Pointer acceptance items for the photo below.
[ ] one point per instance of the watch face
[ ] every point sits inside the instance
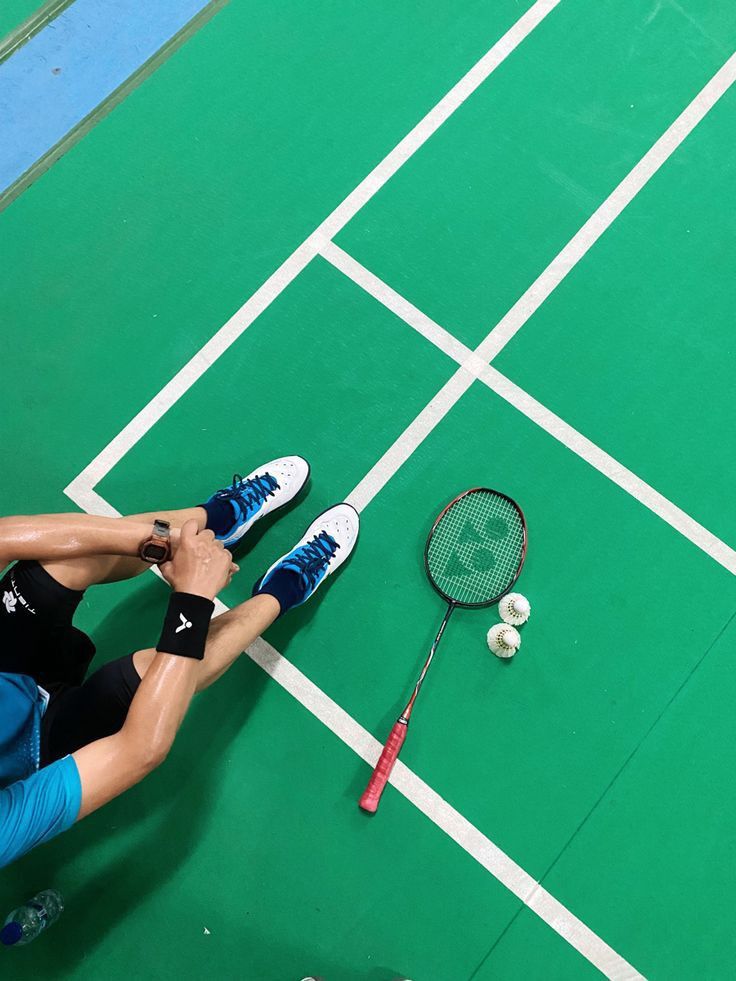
(155, 553)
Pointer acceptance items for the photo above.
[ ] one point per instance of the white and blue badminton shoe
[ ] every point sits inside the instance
(326, 544)
(263, 491)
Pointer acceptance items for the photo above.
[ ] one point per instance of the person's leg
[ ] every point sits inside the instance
(36, 633)
(97, 569)
(291, 580)
(229, 513)
(99, 707)
(229, 635)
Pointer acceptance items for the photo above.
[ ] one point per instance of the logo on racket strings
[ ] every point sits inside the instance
(472, 552)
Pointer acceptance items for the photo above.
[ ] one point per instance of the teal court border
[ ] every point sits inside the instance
(472, 366)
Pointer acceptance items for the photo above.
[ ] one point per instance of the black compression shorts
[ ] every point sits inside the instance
(38, 638)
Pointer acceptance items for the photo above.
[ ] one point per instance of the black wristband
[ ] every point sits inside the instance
(185, 625)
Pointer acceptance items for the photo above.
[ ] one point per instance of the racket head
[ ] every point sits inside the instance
(476, 548)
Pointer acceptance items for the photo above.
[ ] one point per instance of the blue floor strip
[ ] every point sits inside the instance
(50, 84)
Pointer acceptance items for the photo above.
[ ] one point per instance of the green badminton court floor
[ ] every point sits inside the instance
(600, 761)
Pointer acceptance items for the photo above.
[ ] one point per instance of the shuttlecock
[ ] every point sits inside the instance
(504, 640)
(515, 609)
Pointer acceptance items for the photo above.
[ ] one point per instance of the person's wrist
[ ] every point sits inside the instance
(195, 589)
(185, 627)
(136, 535)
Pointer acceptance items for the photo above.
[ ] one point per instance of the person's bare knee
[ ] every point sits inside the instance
(95, 570)
(78, 573)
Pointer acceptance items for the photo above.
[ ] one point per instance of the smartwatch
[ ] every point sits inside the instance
(157, 548)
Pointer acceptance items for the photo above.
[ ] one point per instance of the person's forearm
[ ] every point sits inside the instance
(167, 688)
(49, 537)
(111, 765)
(160, 704)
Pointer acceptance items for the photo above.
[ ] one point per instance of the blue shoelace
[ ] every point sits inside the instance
(312, 558)
(250, 494)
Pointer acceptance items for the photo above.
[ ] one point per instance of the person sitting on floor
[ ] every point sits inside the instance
(70, 743)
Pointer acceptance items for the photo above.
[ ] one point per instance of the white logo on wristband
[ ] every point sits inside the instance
(184, 625)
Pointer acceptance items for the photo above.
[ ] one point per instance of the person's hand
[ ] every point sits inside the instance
(200, 564)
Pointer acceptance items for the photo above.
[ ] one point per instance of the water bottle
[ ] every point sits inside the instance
(28, 921)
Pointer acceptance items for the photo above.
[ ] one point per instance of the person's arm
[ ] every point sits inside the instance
(50, 537)
(107, 767)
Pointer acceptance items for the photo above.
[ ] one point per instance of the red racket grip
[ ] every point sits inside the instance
(390, 753)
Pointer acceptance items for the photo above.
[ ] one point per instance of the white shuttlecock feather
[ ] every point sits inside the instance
(504, 640)
(514, 609)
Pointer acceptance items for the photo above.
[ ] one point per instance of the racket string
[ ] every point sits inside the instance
(481, 526)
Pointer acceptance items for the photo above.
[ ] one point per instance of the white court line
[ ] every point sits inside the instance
(475, 362)
(611, 208)
(436, 117)
(472, 366)
(444, 815)
(615, 471)
(415, 433)
(396, 303)
(280, 279)
(183, 380)
(425, 799)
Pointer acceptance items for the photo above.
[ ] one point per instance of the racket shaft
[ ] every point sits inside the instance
(379, 778)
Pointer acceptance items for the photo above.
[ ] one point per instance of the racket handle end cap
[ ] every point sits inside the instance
(379, 778)
(369, 802)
